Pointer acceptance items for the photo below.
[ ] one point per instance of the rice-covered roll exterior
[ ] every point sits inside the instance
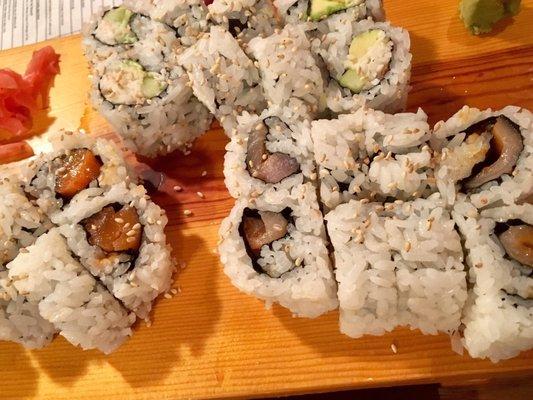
(75, 164)
(223, 77)
(499, 311)
(487, 155)
(370, 154)
(21, 222)
(277, 252)
(397, 264)
(118, 235)
(290, 75)
(368, 63)
(20, 320)
(268, 156)
(187, 17)
(137, 84)
(318, 12)
(245, 19)
(68, 297)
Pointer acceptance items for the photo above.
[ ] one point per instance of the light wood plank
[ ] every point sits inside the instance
(211, 341)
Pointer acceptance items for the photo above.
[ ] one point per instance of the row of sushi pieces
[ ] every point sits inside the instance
(161, 69)
(428, 228)
(83, 251)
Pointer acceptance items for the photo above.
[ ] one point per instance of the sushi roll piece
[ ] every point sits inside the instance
(75, 164)
(318, 13)
(499, 310)
(118, 235)
(370, 154)
(68, 297)
(487, 155)
(368, 63)
(268, 155)
(245, 19)
(397, 264)
(290, 74)
(138, 85)
(223, 77)
(277, 252)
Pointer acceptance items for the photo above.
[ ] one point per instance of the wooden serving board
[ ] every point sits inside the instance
(211, 341)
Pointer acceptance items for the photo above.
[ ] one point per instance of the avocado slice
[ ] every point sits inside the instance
(118, 20)
(152, 86)
(361, 44)
(479, 16)
(321, 9)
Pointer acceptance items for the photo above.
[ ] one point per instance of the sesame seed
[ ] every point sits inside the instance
(200, 195)
(187, 212)
(119, 220)
(394, 348)
(204, 173)
(167, 296)
(407, 246)
(130, 240)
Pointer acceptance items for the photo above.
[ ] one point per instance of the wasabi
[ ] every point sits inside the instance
(479, 16)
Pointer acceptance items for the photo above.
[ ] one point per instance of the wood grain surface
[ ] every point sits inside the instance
(211, 341)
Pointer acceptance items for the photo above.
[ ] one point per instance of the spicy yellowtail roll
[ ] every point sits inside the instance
(223, 77)
(368, 63)
(137, 84)
(268, 156)
(499, 311)
(487, 155)
(325, 12)
(245, 19)
(277, 252)
(397, 264)
(47, 276)
(290, 74)
(370, 154)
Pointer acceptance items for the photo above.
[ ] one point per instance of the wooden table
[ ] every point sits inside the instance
(211, 341)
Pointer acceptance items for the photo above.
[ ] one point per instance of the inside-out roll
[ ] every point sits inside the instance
(137, 83)
(290, 74)
(268, 155)
(487, 155)
(499, 311)
(397, 264)
(223, 77)
(373, 155)
(368, 63)
(277, 252)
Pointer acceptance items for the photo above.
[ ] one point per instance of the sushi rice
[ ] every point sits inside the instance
(296, 268)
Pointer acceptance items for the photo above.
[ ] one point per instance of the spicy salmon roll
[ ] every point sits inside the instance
(370, 154)
(498, 314)
(68, 297)
(137, 84)
(223, 77)
(75, 165)
(397, 264)
(368, 63)
(268, 155)
(290, 74)
(487, 155)
(118, 235)
(277, 252)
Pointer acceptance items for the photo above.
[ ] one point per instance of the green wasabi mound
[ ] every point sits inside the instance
(479, 16)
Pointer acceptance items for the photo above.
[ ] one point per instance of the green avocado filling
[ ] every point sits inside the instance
(321, 9)
(118, 22)
(368, 59)
(479, 16)
(151, 85)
